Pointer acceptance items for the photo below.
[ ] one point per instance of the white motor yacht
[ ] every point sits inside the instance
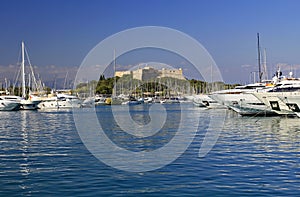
(241, 100)
(9, 103)
(61, 101)
(275, 98)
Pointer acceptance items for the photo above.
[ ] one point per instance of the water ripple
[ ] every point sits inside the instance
(42, 154)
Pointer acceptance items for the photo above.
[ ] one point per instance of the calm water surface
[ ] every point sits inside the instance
(42, 155)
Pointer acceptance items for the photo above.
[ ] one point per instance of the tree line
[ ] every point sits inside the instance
(127, 85)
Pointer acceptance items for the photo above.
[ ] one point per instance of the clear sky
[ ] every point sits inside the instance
(62, 32)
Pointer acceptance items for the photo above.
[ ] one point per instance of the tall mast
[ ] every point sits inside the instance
(23, 70)
(115, 79)
(259, 66)
(265, 64)
(66, 79)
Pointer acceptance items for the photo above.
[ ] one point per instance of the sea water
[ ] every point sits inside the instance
(42, 154)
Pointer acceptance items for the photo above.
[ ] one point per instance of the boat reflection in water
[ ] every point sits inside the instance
(266, 133)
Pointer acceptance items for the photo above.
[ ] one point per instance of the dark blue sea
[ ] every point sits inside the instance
(42, 154)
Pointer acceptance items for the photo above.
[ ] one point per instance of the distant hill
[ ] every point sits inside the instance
(59, 76)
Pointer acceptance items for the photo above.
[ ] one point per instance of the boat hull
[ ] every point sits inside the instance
(9, 106)
(292, 101)
(272, 100)
(29, 105)
(252, 110)
(9, 103)
(60, 104)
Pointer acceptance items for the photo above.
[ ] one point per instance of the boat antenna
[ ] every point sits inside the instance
(259, 66)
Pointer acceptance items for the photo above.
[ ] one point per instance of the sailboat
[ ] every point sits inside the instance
(115, 100)
(26, 103)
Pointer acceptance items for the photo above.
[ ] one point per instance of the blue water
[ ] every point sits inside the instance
(42, 155)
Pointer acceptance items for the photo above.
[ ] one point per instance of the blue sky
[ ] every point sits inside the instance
(62, 32)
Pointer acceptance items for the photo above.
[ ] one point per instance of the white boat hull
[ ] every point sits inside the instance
(252, 109)
(29, 105)
(272, 100)
(292, 100)
(9, 106)
(205, 101)
(9, 103)
(60, 104)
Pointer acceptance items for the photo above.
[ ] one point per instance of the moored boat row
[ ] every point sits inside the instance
(60, 101)
(282, 98)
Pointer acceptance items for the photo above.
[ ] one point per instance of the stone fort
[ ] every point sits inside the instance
(148, 73)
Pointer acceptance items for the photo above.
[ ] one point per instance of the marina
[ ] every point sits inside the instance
(149, 98)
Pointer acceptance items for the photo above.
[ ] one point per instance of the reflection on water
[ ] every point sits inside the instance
(280, 131)
(140, 114)
(42, 154)
(24, 145)
(30, 140)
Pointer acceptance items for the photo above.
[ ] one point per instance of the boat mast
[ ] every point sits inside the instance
(23, 71)
(265, 64)
(259, 66)
(65, 82)
(115, 79)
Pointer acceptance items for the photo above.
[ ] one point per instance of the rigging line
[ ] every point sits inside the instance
(16, 79)
(260, 112)
(31, 69)
(17, 72)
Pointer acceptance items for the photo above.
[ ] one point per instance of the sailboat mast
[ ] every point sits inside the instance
(259, 66)
(66, 79)
(115, 78)
(23, 70)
